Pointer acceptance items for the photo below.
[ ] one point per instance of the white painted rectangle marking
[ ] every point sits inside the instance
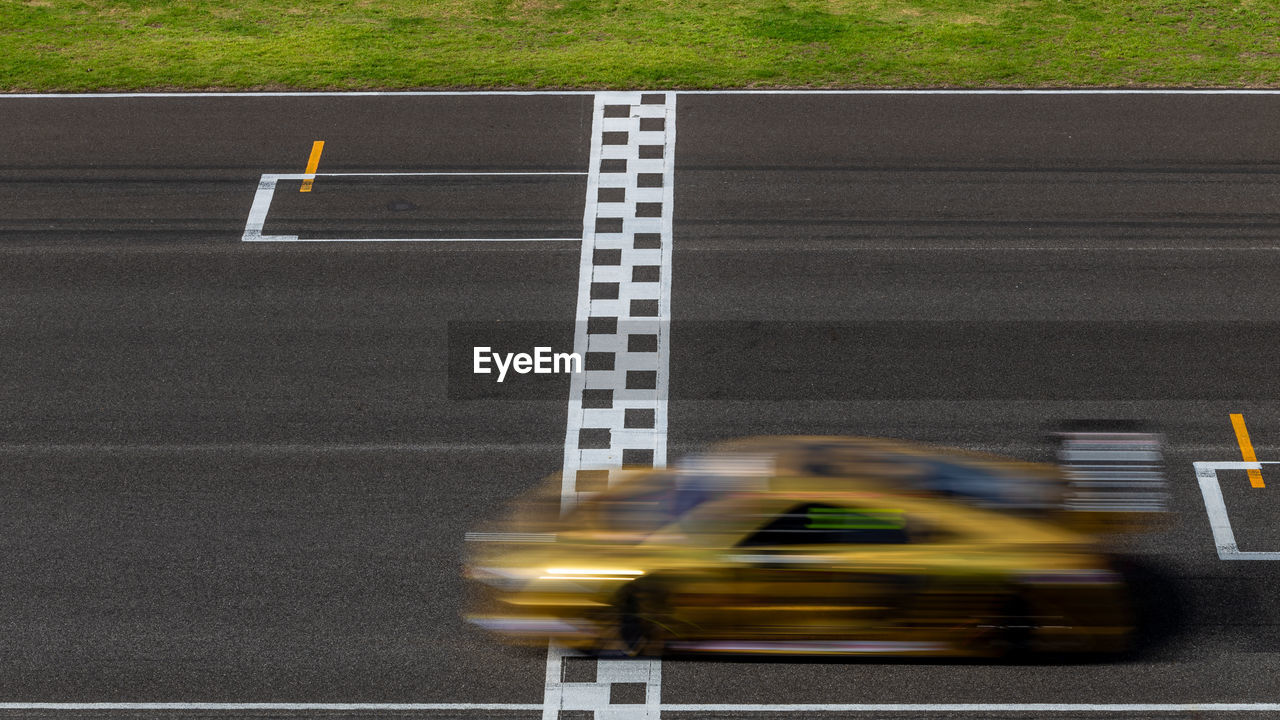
(1224, 538)
(267, 189)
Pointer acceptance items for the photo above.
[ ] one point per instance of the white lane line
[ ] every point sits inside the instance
(1210, 707)
(981, 707)
(567, 93)
(459, 173)
(1224, 538)
(231, 249)
(271, 447)
(283, 706)
(295, 239)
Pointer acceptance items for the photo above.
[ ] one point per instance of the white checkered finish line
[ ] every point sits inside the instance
(620, 411)
(618, 406)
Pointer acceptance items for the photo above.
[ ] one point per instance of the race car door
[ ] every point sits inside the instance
(797, 585)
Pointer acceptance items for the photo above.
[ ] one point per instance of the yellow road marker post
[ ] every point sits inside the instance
(313, 162)
(1246, 448)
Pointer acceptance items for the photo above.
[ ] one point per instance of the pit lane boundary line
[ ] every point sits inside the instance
(674, 708)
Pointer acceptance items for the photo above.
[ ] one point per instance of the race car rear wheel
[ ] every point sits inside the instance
(637, 632)
(1007, 630)
(1016, 639)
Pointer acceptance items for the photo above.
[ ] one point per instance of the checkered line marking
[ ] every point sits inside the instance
(594, 689)
(618, 405)
(622, 408)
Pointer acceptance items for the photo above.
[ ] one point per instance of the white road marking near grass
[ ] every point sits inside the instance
(1224, 539)
(555, 93)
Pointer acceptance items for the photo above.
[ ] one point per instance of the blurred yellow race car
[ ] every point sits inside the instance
(892, 550)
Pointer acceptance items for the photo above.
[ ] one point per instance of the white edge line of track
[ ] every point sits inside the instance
(296, 239)
(711, 707)
(553, 93)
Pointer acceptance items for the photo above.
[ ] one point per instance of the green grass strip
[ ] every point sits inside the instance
(76, 45)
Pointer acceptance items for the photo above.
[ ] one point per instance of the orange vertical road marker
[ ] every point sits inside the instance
(1246, 449)
(313, 162)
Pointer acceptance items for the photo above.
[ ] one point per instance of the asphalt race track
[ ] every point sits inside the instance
(241, 472)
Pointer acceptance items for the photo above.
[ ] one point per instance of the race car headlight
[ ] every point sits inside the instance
(500, 577)
(590, 574)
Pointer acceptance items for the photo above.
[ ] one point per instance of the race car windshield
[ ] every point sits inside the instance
(658, 502)
(981, 484)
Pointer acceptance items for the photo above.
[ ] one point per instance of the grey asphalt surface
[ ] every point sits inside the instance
(235, 472)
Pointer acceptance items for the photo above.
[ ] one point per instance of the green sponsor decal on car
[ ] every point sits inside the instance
(821, 518)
